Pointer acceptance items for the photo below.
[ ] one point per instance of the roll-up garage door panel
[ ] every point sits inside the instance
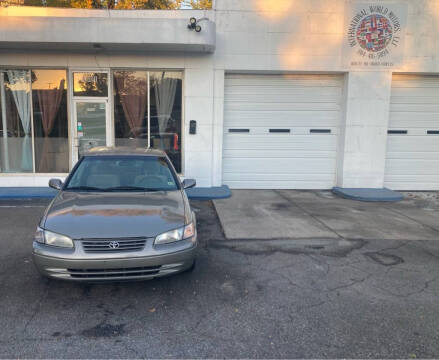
(281, 165)
(269, 154)
(413, 145)
(296, 178)
(298, 103)
(274, 107)
(280, 141)
(415, 107)
(409, 92)
(414, 81)
(412, 161)
(419, 167)
(283, 118)
(404, 120)
(299, 93)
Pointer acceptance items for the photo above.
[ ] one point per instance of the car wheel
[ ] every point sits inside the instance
(192, 268)
(45, 279)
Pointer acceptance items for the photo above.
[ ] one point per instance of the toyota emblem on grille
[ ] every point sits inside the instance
(113, 245)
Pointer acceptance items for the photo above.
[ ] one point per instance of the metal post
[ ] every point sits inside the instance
(149, 112)
(31, 109)
(4, 122)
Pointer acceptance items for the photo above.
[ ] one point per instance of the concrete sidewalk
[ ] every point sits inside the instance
(291, 214)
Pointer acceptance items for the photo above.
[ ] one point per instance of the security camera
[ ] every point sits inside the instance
(193, 25)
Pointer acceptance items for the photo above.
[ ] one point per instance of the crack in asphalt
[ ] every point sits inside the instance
(290, 246)
(351, 284)
(423, 289)
(428, 252)
(37, 308)
(316, 288)
(369, 275)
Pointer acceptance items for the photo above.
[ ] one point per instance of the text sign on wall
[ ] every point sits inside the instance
(374, 35)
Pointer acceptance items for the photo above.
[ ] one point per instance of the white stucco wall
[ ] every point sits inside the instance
(117, 31)
(307, 36)
(362, 148)
(273, 36)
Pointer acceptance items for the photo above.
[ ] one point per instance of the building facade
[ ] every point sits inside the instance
(270, 94)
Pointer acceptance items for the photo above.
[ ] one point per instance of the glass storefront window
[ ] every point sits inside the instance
(15, 124)
(131, 111)
(166, 100)
(92, 125)
(34, 120)
(49, 93)
(130, 108)
(93, 84)
(41, 146)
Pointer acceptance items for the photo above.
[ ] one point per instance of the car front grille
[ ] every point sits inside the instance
(114, 273)
(113, 245)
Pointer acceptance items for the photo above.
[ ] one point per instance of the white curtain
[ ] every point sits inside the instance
(20, 86)
(164, 99)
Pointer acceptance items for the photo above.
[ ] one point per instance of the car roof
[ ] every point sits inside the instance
(121, 150)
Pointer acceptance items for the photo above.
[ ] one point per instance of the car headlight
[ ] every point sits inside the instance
(53, 239)
(189, 231)
(175, 235)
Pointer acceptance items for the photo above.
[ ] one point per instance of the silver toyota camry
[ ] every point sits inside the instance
(121, 214)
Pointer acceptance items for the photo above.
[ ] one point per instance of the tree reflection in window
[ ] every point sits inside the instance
(130, 105)
(90, 84)
(131, 111)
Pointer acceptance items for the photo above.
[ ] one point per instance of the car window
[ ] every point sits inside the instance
(123, 173)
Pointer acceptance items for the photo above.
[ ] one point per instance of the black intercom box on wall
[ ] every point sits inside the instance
(192, 127)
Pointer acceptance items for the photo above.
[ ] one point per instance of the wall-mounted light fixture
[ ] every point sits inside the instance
(193, 24)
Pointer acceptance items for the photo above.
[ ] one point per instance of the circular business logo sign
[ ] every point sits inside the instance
(374, 33)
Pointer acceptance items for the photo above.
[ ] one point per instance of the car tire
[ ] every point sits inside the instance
(192, 267)
(45, 279)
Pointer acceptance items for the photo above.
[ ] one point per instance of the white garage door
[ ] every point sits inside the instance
(280, 131)
(412, 161)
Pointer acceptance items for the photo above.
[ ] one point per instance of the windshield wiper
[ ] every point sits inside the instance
(128, 188)
(85, 188)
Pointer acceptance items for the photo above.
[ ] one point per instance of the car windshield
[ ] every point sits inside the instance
(122, 173)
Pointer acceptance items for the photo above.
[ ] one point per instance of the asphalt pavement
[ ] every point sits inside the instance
(322, 298)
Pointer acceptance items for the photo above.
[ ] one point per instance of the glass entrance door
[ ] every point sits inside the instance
(91, 125)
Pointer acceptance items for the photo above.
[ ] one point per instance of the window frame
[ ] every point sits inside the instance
(72, 111)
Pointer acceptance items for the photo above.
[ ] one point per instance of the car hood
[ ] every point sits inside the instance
(113, 215)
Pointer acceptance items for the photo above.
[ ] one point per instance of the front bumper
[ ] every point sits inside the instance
(69, 265)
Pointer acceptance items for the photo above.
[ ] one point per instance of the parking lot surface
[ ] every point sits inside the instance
(278, 298)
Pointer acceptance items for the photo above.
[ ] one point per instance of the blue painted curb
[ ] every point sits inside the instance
(27, 193)
(209, 193)
(197, 193)
(368, 194)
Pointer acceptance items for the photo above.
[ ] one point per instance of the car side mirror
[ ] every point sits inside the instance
(55, 184)
(189, 183)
